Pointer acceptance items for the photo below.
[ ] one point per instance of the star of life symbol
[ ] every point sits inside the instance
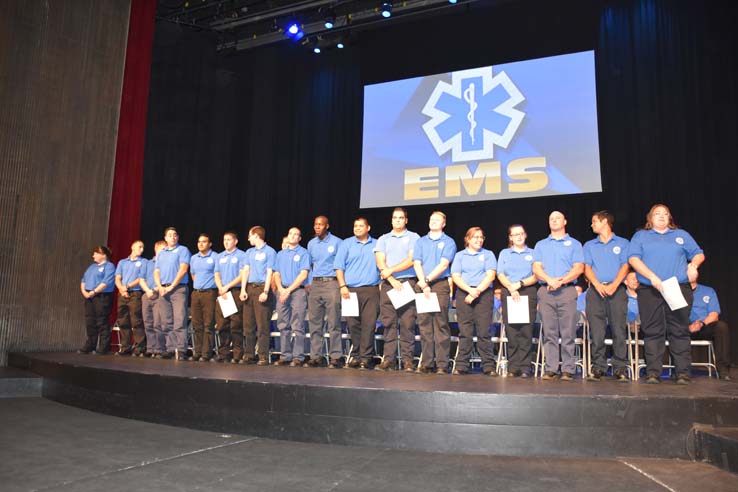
(472, 114)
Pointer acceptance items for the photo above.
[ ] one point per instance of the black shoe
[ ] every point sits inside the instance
(85, 351)
(491, 373)
(440, 371)
(408, 366)
(595, 376)
(524, 374)
(424, 370)
(567, 376)
(354, 364)
(620, 377)
(296, 363)
(123, 353)
(653, 379)
(180, 357)
(386, 365)
(248, 360)
(262, 362)
(459, 372)
(203, 359)
(318, 362)
(282, 362)
(683, 379)
(334, 364)
(167, 355)
(363, 365)
(515, 374)
(550, 376)
(218, 358)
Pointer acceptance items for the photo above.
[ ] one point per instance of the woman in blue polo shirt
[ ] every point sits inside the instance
(97, 286)
(515, 273)
(658, 252)
(473, 271)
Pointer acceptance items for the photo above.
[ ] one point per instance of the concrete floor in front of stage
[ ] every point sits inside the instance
(47, 446)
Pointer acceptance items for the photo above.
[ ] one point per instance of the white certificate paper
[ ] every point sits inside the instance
(399, 299)
(227, 305)
(673, 294)
(350, 306)
(517, 311)
(427, 304)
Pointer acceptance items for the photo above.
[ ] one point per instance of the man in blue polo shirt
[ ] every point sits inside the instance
(291, 271)
(631, 290)
(605, 266)
(228, 266)
(432, 258)
(204, 293)
(557, 262)
(257, 297)
(129, 302)
(324, 300)
(705, 324)
(394, 254)
(356, 271)
(155, 342)
(170, 276)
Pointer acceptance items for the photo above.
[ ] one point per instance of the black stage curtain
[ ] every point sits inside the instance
(272, 136)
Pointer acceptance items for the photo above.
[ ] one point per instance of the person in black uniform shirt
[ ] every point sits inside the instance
(97, 286)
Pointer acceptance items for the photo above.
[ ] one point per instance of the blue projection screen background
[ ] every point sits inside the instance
(514, 130)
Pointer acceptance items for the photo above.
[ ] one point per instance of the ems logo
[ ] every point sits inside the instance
(138, 264)
(234, 260)
(472, 114)
(679, 240)
(616, 250)
(260, 256)
(223, 260)
(567, 243)
(101, 269)
(528, 257)
(210, 261)
(296, 258)
(481, 258)
(331, 249)
(706, 299)
(405, 239)
(440, 245)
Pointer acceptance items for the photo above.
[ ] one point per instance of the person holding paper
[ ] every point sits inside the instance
(256, 294)
(97, 286)
(127, 282)
(394, 255)
(291, 271)
(605, 266)
(324, 300)
(473, 271)
(660, 252)
(228, 266)
(557, 262)
(155, 342)
(202, 303)
(705, 324)
(171, 280)
(515, 273)
(356, 271)
(432, 257)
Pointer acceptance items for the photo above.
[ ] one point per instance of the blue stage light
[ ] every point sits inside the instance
(386, 9)
(452, 1)
(300, 34)
(339, 46)
(293, 29)
(316, 49)
(328, 24)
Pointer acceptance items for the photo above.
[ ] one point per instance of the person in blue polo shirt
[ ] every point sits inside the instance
(155, 342)
(432, 257)
(394, 255)
(631, 290)
(202, 304)
(605, 266)
(473, 271)
(227, 274)
(658, 252)
(97, 285)
(557, 262)
(515, 273)
(127, 276)
(171, 280)
(256, 294)
(324, 300)
(705, 324)
(291, 271)
(356, 271)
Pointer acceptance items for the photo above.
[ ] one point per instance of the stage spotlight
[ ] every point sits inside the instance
(339, 46)
(453, 1)
(316, 50)
(293, 29)
(330, 19)
(386, 9)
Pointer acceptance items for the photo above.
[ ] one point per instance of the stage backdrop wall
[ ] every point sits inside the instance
(273, 136)
(61, 69)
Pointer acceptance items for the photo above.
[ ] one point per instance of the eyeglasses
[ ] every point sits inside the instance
(517, 234)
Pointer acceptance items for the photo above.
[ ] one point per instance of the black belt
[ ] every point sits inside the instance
(568, 284)
(165, 285)
(323, 279)
(403, 279)
(255, 284)
(300, 287)
(433, 282)
(205, 290)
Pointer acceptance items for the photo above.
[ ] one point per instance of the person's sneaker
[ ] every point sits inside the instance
(334, 364)
(441, 370)
(550, 376)
(459, 372)
(203, 359)
(167, 355)
(567, 376)
(218, 359)
(386, 365)
(181, 357)
(621, 377)
(524, 374)
(683, 379)
(424, 370)
(490, 373)
(515, 374)
(296, 363)
(653, 379)
(363, 365)
(354, 364)
(595, 376)
(282, 362)
(263, 362)
(408, 366)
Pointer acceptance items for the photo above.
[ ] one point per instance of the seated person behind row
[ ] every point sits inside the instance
(704, 324)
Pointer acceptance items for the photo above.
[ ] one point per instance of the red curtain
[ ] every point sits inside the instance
(124, 225)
